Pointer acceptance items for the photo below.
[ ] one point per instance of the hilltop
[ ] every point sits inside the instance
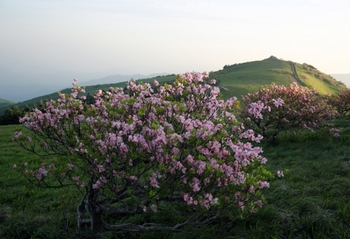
(236, 80)
(240, 79)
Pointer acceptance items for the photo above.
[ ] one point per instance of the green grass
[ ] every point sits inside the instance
(311, 201)
(241, 79)
(27, 211)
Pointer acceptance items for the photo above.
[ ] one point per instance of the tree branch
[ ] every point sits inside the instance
(157, 227)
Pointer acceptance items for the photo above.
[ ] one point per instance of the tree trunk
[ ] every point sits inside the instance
(95, 215)
(82, 221)
(94, 218)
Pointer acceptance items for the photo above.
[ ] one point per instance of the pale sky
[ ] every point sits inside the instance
(171, 36)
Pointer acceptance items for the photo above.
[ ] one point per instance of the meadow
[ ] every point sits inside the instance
(310, 201)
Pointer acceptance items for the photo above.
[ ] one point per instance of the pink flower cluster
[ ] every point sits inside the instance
(280, 174)
(341, 102)
(278, 108)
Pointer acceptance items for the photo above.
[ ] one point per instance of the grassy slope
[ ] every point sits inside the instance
(323, 83)
(311, 201)
(236, 80)
(239, 79)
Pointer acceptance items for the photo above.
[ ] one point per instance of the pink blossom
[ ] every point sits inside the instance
(195, 185)
(123, 148)
(263, 184)
(255, 109)
(103, 179)
(154, 207)
(97, 185)
(241, 205)
(259, 203)
(155, 82)
(40, 173)
(252, 189)
(187, 198)
(175, 150)
(100, 168)
(278, 102)
(280, 174)
(154, 182)
(17, 135)
(200, 167)
(189, 159)
(70, 166)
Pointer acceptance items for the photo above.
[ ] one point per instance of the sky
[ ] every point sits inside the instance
(170, 36)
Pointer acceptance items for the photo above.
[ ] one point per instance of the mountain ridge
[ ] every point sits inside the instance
(5, 103)
(17, 87)
(234, 80)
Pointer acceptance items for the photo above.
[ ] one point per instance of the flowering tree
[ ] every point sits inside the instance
(279, 108)
(341, 102)
(148, 149)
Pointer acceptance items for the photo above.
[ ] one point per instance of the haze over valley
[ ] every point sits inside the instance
(17, 87)
(45, 44)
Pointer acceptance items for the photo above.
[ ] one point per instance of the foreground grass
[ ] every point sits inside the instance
(311, 201)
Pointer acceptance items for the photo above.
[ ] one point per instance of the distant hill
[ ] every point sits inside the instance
(119, 78)
(5, 103)
(89, 89)
(18, 87)
(237, 79)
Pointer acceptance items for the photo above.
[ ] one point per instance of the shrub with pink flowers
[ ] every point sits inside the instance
(341, 102)
(145, 149)
(277, 108)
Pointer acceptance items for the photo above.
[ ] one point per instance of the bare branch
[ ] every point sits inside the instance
(139, 228)
(114, 210)
(157, 227)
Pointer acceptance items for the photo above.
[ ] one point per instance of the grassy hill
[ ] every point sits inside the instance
(238, 79)
(5, 103)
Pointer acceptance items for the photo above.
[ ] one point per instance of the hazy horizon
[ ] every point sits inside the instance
(146, 37)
